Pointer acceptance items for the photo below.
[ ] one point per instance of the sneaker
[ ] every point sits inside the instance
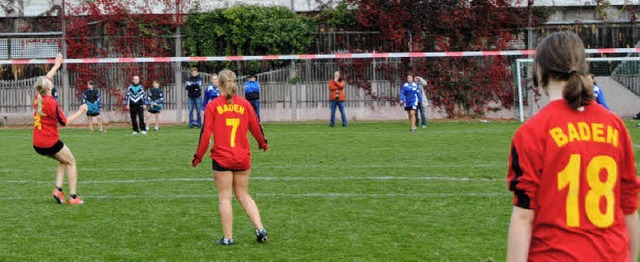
(413, 130)
(146, 128)
(424, 126)
(58, 196)
(76, 201)
(144, 132)
(225, 242)
(261, 235)
(155, 128)
(135, 133)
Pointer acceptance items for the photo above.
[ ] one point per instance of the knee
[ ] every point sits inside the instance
(224, 197)
(242, 197)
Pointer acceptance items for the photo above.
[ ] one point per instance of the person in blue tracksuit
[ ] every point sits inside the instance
(91, 98)
(211, 91)
(193, 85)
(252, 93)
(597, 93)
(410, 97)
(156, 102)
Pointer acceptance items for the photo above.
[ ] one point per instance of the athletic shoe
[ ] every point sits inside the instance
(424, 126)
(225, 242)
(413, 130)
(58, 196)
(135, 133)
(144, 132)
(261, 235)
(155, 128)
(76, 201)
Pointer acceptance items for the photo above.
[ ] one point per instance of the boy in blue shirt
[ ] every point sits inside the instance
(252, 93)
(91, 98)
(156, 101)
(211, 91)
(410, 97)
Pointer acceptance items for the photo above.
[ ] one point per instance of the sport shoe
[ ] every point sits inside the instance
(261, 235)
(135, 133)
(155, 128)
(225, 242)
(413, 130)
(58, 196)
(424, 126)
(75, 201)
(144, 132)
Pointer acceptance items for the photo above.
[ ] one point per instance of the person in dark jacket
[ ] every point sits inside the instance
(194, 92)
(136, 104)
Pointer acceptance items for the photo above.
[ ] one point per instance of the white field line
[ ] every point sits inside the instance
(349, 178)
(636, 146)
(258, 195)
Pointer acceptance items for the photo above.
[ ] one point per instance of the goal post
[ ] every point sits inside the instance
(619, 77)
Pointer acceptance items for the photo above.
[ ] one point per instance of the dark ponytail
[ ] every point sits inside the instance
(578, 91)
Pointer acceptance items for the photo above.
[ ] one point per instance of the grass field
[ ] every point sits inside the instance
(372, 191)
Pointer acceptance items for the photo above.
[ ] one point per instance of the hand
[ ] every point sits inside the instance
(264, 147)
(83, 108)
(195, 161)
(401, 102)
(59, 58)
(144, 107)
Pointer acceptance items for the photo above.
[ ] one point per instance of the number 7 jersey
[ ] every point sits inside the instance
(576, 171)
(229, 124)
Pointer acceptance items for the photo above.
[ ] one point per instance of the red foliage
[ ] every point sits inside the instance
(459, 86)
(122, 28)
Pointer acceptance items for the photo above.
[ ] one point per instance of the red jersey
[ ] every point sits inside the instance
(576, 171)
(229, 124)
(45, 128)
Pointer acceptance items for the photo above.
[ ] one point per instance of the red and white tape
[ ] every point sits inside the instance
(302, 57)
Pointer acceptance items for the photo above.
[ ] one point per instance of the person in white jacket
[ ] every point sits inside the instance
(423, 102)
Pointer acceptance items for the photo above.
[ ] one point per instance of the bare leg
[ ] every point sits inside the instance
(100, 123)
(241, 188)
(412, 118)
(157, 119)
(60, 175)
(224, 183)
(90, 120)
(67, 159)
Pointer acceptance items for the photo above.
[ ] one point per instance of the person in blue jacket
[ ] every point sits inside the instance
(597, 93)
(193, 85)
(410, 98)
(155, 102)
(211, 91)
(252, 93)
(91, 98)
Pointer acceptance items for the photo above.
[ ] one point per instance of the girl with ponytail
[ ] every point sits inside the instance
(571, 169)
(228, 118)
(46, 139)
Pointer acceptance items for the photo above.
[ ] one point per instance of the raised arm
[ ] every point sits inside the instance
(55, 67)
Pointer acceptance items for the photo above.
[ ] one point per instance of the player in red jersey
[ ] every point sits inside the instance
(46, 140)
(228, 118)
(571, 169)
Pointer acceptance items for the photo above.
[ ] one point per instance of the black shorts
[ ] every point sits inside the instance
(153, 111)
(409, 108)
(93, 114)
(51, 151)
(217, 167)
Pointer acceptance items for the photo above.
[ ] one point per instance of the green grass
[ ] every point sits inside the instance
(372, 191)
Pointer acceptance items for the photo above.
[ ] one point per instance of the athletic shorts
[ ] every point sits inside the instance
(217, 167)
(155, 109)
(51, 150)
(409, 108)
(93, 114)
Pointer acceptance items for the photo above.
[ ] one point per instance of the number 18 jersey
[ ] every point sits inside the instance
(575, 169)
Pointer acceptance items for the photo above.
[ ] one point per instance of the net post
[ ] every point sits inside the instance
(519, 79)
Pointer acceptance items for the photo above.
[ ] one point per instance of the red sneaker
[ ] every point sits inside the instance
(76, 201)
(58, 196)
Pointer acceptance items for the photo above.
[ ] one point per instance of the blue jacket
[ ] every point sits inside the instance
(599, 95)
(91, 96)
(410, 94)
(210, 93)
(155, 96)
(136, 95)
(252, 90)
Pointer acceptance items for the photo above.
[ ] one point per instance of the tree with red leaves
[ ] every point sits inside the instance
(459, 86)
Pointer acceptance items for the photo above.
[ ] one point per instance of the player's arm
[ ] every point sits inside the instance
(256, 129)
(519, 234)
(332, 85)
(633, 228)
(205, 137)
(402, 95)
(629, 187)
(82, 110)
(55, 67)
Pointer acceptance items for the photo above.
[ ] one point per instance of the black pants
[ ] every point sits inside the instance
(136, 111)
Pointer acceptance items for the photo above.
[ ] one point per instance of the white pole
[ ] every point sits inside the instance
(519, 79)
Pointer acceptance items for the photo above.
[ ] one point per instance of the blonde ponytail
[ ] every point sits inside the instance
(228, 86)
(41, 88)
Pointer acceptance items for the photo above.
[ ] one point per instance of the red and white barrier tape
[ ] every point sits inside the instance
(303, 57)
